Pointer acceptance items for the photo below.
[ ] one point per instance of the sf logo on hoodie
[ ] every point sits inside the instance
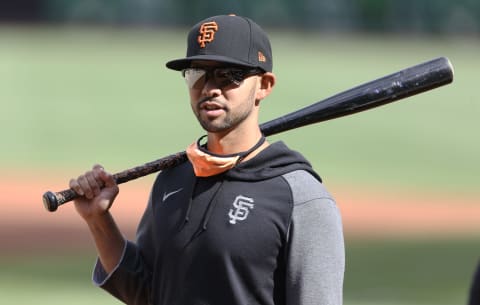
(242, 207)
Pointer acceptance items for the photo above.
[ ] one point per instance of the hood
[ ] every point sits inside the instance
(277, 159)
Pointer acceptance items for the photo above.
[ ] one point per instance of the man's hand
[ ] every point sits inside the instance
(98, 190)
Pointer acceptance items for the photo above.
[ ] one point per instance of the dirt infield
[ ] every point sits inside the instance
(26, 226)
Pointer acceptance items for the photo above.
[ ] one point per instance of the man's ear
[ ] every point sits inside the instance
(267, 82)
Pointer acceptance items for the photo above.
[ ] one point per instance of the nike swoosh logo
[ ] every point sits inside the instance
(166, 195)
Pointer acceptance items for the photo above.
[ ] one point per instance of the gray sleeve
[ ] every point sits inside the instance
(316, 252)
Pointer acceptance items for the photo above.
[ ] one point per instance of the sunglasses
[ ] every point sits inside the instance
(196, 78)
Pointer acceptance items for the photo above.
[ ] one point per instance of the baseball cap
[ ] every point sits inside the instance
(229, 39)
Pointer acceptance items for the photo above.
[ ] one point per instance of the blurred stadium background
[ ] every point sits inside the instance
(83, 81)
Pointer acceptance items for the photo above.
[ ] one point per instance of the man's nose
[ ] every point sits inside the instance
(210, 87)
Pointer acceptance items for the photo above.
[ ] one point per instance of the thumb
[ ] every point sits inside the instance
(110, 189)
(107, 178)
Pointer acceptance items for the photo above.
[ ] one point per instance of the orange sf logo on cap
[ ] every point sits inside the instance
(207, 33)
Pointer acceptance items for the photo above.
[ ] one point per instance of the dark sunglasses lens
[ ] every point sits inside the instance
(222, 77)
(225, 76)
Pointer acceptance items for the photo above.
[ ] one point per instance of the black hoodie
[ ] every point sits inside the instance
(263, 233)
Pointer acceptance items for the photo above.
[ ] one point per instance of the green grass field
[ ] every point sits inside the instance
(73, 97)
(377, 273)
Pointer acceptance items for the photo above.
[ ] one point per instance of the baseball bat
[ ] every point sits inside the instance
(404, 83)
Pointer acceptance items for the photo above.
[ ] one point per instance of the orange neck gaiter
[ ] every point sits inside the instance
(207, 164)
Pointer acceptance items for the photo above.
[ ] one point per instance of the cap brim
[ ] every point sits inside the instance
(183, 63)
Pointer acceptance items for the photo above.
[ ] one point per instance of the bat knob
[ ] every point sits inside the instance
(50, 201)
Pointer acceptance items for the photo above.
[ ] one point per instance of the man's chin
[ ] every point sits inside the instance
(212, 126)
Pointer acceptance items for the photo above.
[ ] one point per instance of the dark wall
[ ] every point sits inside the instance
(21, 10)
(423, 16)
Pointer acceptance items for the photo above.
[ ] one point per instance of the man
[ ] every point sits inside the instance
(243, 222)
(474, 293)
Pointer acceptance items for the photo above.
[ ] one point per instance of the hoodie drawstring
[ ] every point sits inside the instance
(210, 207)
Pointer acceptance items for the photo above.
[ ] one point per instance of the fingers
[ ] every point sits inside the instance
(86, 185)
(106, 178)
(91, 183)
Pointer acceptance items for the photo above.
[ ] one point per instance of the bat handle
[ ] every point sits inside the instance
(52, 200)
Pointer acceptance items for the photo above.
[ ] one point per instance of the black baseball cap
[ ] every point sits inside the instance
(229, 39)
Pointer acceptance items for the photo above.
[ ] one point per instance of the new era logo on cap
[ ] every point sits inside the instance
(227, 39)
(261, 57)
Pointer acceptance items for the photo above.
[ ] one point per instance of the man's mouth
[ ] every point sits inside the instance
(211, 106)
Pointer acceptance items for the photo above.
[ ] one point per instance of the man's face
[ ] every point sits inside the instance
(219, 104)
